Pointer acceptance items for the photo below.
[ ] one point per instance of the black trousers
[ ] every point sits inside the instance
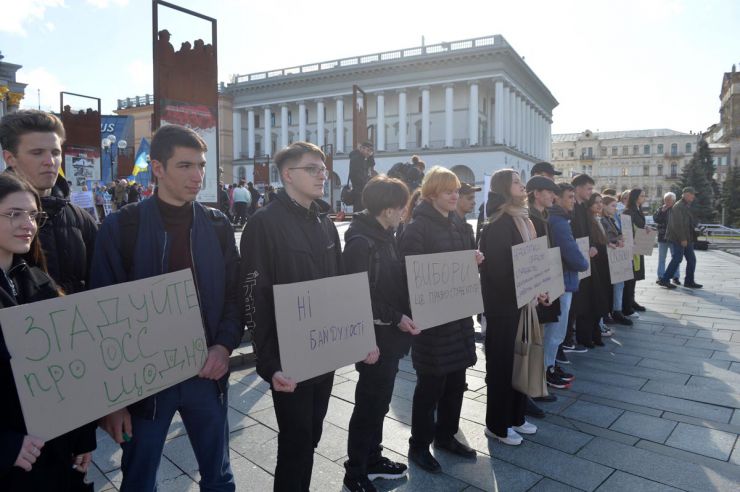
(505, 406)
(300, 416)
(240, 212)
(628, 297)
(588, 330)
(373, 395)
(442, 393)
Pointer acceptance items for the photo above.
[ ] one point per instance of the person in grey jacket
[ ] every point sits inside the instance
(680, 234)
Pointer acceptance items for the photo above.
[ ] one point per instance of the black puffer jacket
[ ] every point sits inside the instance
(52, 470)
(638, 221)
(283, 243)
(497, 271)
(450, 347)
(388, 291)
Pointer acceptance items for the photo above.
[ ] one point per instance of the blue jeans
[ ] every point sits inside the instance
(662, 253)
(555, 332)
(203, 411)
(678, 252)
(618, 290)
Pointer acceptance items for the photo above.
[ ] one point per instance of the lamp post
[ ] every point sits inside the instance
(113, 149)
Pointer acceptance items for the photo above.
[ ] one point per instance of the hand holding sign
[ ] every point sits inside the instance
(407, 325)
(282, 383)
(30, 451)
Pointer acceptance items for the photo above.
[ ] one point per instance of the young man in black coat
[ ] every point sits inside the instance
(370, 246)
(290, 240)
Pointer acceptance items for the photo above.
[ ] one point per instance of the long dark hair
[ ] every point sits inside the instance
(632, 201)
(596, 232)
(12, 183)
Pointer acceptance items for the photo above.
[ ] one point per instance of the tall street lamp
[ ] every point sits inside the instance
(113, 149)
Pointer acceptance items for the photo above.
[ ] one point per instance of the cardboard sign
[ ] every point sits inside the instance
(645, 241)
(620, 264)
(323, 324)
(554, 285)
(85, 200)
(628, 233)
(443, 287)
(531, 269)
(77, 358)
(584, 246)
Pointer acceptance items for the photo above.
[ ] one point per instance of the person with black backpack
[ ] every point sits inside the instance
(167, 233)
(370, 246)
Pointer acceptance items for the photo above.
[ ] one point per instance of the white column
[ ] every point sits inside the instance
(541, 133)
(250, 134)
(402, 122)
(268, 131)
(507, 122)
(473, 115)
(302, 121)
(449, 113)
(498, 109)
(520, 123)
(320, 123)
(532, 132)
(380, 121)
(425, 117)
(548, 138)
(283, 126)
(528, 128)
(237, 133)
(511, 127)
(340, 126)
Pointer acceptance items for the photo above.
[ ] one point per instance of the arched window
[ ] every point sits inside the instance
(674, 169)
(674, 149)
(464, 174)
(688, 148)
(241, 172)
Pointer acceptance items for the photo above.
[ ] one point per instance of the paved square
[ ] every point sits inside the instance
(658, 408)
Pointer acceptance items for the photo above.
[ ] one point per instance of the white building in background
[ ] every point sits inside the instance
(473, 106)
(650, 159)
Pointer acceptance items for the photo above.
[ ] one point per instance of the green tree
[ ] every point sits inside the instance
(699, 174)
(731, 197)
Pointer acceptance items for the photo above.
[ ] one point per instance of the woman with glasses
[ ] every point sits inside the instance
(27, 463)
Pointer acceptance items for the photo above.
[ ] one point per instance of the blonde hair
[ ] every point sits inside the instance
(438, 180)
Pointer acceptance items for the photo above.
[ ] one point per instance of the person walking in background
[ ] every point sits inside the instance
(661, 219)
(681, 234)
(242, 200)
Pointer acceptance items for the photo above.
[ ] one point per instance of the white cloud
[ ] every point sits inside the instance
(49, 85)
(50, 26)
(103, 4)
(18, 14)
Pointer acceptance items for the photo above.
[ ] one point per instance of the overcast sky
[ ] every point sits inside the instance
(612, 65)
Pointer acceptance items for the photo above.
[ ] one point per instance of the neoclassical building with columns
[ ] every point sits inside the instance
(473, 106)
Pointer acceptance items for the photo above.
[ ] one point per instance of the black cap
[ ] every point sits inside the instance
(541, 183)
(545, 167)
(466, 188)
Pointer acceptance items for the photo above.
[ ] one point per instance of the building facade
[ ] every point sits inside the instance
(650, 159)
(724, 137)
(473, 106)
(11, 92)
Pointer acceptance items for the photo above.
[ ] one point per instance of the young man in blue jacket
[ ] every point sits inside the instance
(561, 236)
(172, 232)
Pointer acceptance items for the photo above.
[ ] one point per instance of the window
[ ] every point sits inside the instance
(635, 149)
(561, 153)
(571, 153)
(625, 171)
(646, 189)
(242, 173)
(583, 170)
(614, 150)
(272, 120)
(674, 149)
(660, 149)
(420, 104)
(258, 148)
(688, 148)
(256, 121)
(646, 150)
(290, 118)
(660, 169)
(674, 169)
(625, 150)
(659, 191)
(274, 174)
(590, 151)
(646, 170)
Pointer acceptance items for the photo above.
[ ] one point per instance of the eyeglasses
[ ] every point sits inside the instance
(314, 171)
(21, 217)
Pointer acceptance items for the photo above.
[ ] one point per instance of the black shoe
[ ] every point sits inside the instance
(548, 398)
(568, 345)
(565, 376)
(424, 460)
(385, 468)
(533, 410)
(657, 281)
(621, 319)
(609, 320)
(599, 343)
(676, 281)
(555, 382)
(561, 357)
(454, 446)
(693, 285)
(577, 348)
(358, 484)
(666, 284)
(638, 307)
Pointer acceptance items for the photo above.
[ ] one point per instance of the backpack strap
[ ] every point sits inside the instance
(373, 267)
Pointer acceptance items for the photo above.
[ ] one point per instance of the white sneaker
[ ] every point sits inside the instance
(526, 428)
(512, 438)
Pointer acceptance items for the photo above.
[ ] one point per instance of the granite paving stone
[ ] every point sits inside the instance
(700, 440)
(549, 485)
(592, 413)
(644, 426)
(620, 481)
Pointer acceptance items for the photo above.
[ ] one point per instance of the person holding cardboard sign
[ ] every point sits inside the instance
(440, 354)
(292, 239)
(588, 328)
(167, 233)
(370, 246)
(27, 463)
(508, 225)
